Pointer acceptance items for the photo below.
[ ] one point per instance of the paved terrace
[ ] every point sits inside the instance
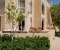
(55, 44)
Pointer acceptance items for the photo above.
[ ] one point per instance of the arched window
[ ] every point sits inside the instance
(43, 8)
(31, 6)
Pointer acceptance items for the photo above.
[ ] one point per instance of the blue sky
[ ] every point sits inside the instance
(56, 1)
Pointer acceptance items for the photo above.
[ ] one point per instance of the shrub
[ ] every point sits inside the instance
(27, 43)
(57, 34)
(6, 38)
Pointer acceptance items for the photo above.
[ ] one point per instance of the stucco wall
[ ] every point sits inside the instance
(44, 16)
(2, 23)
(27, 16)
(50, 34)
(37, 13)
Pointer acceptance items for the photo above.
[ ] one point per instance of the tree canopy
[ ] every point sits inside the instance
(55, 13)
(20, 17)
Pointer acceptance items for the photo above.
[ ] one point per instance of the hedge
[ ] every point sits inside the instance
(27, 43)
(57, 34)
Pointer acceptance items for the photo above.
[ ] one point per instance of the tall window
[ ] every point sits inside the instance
(43, 9)
(22, 5)
(31, 6)
(22, 9)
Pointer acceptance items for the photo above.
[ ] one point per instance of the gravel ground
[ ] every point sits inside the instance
(55, 44)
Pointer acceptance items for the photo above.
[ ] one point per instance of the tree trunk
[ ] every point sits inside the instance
(12, 31)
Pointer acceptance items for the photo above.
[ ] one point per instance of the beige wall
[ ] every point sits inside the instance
(38, 16)
(37, 13)
(47, 6)
(27, 15)
(49, 19)
(44, 2)
(50, 34)
(2, 23)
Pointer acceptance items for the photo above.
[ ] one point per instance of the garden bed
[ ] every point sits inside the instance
(27, 43)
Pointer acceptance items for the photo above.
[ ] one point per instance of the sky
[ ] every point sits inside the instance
(56, 1)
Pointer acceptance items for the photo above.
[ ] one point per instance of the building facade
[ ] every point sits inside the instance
(36, 14)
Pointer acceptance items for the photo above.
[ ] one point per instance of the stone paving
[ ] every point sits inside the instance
(55, 44)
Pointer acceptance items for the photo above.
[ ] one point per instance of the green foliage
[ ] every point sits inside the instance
(20, 17)
(55, 13)
(27, 43)
(6, 38)
(57, 34)
(11, 13)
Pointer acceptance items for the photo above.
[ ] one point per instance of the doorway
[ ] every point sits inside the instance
(43, 24)
(22, 25)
